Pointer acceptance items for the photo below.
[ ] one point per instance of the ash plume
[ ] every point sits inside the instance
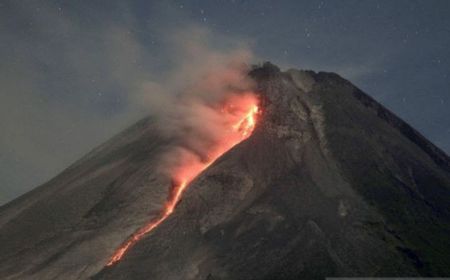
(190, 101)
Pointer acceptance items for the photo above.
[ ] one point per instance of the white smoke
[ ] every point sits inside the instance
(188, 100)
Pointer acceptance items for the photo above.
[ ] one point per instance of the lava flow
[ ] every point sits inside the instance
(239, 116)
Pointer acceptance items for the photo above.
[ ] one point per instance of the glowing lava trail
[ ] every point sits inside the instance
(239, 114)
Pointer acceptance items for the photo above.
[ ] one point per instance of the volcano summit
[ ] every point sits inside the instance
(327, 182)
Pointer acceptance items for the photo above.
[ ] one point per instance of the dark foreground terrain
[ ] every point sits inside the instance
(329, 184)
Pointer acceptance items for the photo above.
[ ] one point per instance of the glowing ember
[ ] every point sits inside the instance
(240, 114)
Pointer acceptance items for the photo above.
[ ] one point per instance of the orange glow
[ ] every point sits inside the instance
(239, 114)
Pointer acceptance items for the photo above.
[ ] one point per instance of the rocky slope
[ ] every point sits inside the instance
(329, 184)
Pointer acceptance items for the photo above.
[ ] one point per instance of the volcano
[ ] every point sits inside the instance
(328, 183)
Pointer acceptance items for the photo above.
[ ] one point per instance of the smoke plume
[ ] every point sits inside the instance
(198, 102)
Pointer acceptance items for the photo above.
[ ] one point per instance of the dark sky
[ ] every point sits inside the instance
(69, 69)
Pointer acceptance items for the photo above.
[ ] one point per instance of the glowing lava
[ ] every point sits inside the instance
(239, 114)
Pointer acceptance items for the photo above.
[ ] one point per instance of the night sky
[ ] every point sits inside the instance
(69, 69)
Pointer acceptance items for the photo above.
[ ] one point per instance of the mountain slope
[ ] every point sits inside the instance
(69, 226)
(329, 184)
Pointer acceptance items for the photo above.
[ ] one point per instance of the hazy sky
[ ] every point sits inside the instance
(71, 71)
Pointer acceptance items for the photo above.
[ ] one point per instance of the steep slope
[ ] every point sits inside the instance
(329, 184)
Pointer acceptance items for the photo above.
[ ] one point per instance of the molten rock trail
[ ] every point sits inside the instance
(239, 114)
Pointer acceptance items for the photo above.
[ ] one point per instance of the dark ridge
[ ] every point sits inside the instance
(265, 71)
(438, 156)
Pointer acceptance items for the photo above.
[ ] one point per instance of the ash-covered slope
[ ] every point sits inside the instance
(69, 227)
(329, 184)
